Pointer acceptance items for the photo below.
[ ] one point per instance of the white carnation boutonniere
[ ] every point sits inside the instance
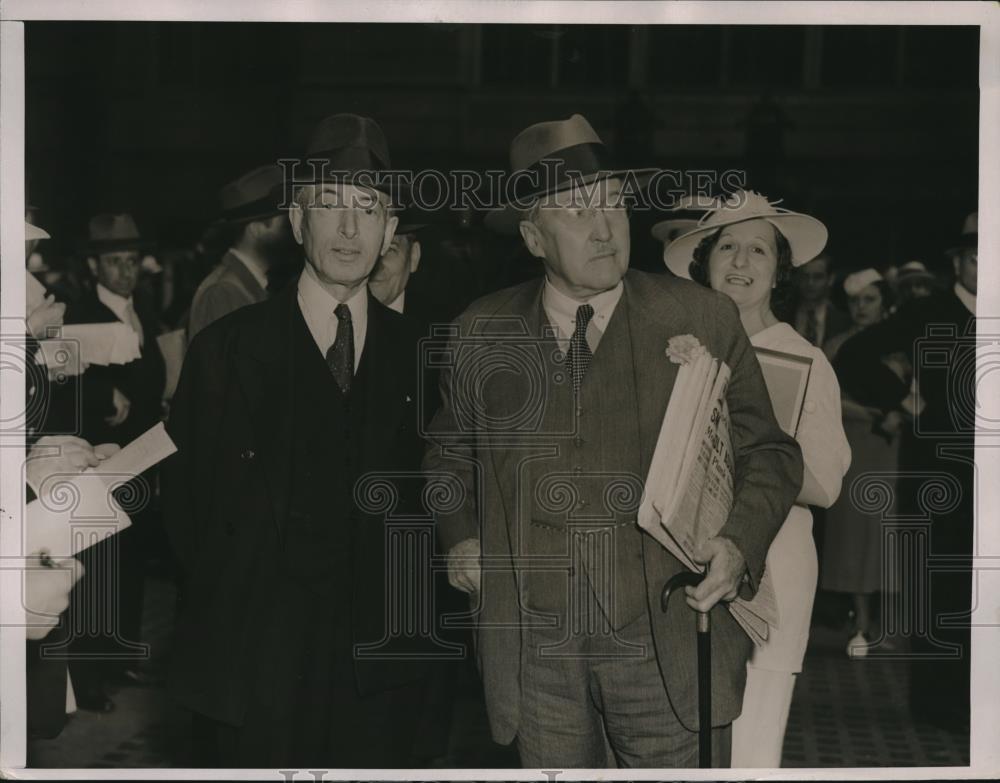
(684, 349)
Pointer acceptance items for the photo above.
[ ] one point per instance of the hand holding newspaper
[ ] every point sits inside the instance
(71, 509)
(689, 489)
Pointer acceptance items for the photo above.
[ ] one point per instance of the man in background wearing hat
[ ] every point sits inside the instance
(118, 402)
(250, 208)
(579, 664)
(940, 440)
(281, 649)
(815, 317)
(913, 281)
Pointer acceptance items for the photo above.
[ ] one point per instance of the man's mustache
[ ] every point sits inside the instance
(604, 248)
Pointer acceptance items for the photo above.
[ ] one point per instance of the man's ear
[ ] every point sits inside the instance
(295, 218)
(390, 232)
(532, 238)
(414, 255)
(92, 263)
(956, 263)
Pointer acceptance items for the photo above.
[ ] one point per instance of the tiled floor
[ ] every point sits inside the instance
(844, 714)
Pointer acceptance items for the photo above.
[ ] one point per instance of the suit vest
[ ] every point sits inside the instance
(325, 464)
(579, 492)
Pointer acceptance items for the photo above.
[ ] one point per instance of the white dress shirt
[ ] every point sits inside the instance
(318, 305)
(966, 297)
(121, 307)
(255, 269)
(561, 311)
(399, 302)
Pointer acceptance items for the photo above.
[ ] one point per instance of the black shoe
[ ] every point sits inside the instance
(137, 677)
(94, 700)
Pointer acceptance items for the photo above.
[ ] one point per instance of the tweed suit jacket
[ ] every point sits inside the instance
(473, 428)
(228, 287)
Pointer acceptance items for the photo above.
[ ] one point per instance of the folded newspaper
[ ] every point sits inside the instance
(689, 490)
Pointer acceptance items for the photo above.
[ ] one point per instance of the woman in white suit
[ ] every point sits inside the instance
(747, 248)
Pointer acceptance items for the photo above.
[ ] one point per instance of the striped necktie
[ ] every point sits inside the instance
(579, 354)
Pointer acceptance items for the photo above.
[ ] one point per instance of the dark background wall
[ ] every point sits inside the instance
(872, 129)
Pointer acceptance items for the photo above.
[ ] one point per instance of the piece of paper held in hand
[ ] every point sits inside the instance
(689, 488)
(108, 343)
(73, 512)
(172, 345)
(34, 293)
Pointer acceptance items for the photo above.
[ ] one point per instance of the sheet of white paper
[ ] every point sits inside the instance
(79, 512)
(140, 455)
(107, 343)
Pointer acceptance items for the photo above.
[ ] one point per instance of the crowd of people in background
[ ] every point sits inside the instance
(864, 323)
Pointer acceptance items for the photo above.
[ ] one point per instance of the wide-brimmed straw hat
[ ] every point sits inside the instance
(551, 157)
(805, 234)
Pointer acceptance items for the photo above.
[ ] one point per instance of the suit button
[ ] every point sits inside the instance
(581, 503)
(247, 454)
(578, 441)
(579, 412)
(577, 470)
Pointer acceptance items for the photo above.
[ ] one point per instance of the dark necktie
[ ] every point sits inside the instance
(340, 356)
(579, 355)
(812, 326)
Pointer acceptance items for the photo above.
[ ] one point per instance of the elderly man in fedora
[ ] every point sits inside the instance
(552, 407)
(281, 649)
(260, 237)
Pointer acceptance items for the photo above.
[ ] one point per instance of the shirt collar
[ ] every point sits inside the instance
(254, 268)
(398, 303)
(561, 309)
(115, 302)
(320, 303)
(966, 297)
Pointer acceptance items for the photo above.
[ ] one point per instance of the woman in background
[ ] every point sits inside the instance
(852, 540)
(746, 249)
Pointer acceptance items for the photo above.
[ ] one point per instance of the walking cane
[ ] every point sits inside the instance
(683, 579)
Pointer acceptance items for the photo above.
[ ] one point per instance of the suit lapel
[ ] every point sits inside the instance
(265, 370)
(654, 316)
(382, 363)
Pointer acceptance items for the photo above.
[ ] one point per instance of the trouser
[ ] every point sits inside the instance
(106, 611)
(600, 701)
(759, 731)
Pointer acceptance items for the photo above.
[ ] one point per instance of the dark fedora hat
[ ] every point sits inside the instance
(112, 233)
(254, 196)
(969, 238)
(346, 148)
(550, 157)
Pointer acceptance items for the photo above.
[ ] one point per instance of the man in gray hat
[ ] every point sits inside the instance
(553, 399)
(261, 234)
(283, 409)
